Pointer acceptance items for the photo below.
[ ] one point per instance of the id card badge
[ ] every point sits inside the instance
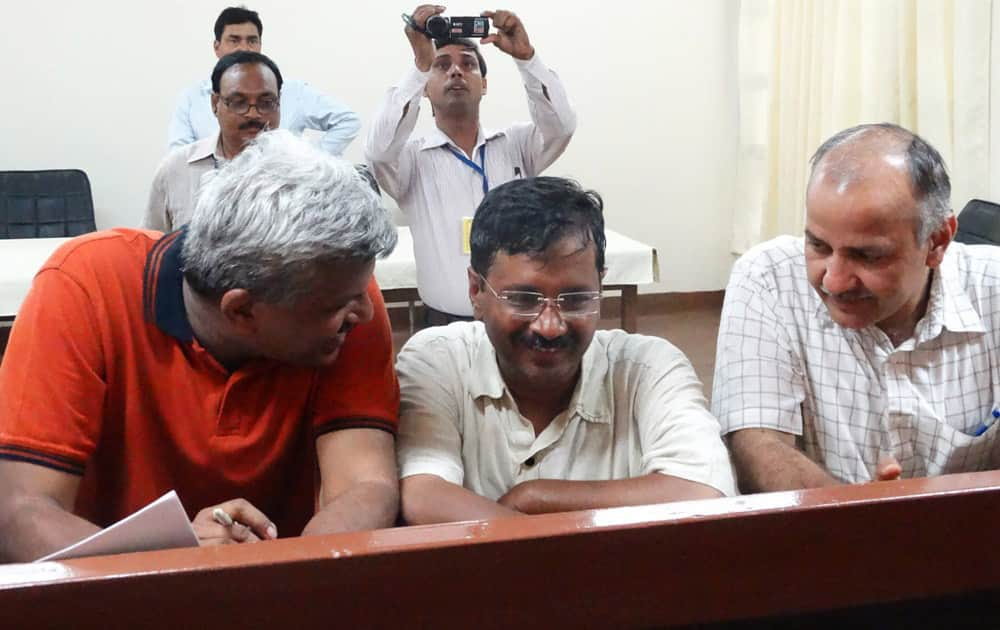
(466, 234)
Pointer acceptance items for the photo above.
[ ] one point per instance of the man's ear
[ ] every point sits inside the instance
(475, 293)
(484, 86)
(215, 103)
(237, 308)
(940, 239)
(215, 48)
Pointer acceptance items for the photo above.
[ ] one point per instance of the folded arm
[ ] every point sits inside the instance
(542, 496)
(430, 499)
(338, 123)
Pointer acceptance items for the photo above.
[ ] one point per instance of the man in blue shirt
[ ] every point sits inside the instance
(302, 107)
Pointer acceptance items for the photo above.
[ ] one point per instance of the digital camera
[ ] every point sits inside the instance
(441, 27)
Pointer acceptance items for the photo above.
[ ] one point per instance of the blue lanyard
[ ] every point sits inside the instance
(481, 169)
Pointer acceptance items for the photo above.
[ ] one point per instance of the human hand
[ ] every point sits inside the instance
(245, 523)
(888, 469)
(510, 36)
(423, 47)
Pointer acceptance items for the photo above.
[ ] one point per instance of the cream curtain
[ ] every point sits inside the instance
(809, 68)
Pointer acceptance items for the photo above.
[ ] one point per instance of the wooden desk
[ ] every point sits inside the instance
(898, 550)
(629, 263)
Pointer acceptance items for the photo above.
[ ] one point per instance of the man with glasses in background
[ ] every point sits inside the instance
(246, 99)
(530, 409)
(303, 107)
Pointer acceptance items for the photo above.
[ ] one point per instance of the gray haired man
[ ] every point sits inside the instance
(867, 350)
(227, 360)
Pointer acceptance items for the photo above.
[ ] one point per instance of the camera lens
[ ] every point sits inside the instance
(438, 26)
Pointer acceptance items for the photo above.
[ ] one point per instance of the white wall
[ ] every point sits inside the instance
(91, 85)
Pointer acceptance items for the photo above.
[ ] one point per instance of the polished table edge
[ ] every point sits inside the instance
(403, 539)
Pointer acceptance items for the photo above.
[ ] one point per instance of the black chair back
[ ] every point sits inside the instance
(43, 204)
(979, 223)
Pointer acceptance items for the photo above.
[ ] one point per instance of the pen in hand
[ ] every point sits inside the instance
(222, 517)
(240, 532)
(236, 520)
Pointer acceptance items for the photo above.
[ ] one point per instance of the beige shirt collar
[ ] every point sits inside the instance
(205, 149)
(590, 398)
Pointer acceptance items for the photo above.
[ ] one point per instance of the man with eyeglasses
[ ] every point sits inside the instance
(530, 409)
(438, 178)
(239, 28)
(246, 99)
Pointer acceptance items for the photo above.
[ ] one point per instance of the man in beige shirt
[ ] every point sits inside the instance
(531, 409)
(246, 93)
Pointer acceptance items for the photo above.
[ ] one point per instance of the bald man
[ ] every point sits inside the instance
(868, 349)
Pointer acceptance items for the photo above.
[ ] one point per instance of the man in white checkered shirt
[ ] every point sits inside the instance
(869, 349)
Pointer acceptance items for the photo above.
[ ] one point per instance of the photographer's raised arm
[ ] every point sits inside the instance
(553, 119)
(35, 511)
(423, 47)
(397, 114)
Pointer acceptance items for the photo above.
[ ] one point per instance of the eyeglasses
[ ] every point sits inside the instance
(264, 105)
(530, 304)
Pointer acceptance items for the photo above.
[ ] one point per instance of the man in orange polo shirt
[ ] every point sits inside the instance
(230, 361)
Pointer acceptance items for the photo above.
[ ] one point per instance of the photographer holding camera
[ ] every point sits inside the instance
(439, 179)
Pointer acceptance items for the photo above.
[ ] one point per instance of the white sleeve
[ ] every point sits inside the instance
(757, 382)
(429, 440)
(678, 435)
(553, 119)
(391, 127)
(157, 215)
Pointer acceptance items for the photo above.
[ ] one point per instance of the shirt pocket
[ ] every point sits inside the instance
(946, 449)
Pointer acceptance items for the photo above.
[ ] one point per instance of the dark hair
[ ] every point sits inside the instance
(527, 216)
(239, 57)
(467, 44)
(369, 177)
(236, 15)
(929, 181)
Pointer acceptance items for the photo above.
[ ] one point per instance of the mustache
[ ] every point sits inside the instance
(846, 296)
(538, 342)
(254, 124)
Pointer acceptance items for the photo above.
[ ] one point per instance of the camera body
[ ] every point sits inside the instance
(441, 27)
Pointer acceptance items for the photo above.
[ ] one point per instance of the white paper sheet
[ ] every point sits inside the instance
(163, 524)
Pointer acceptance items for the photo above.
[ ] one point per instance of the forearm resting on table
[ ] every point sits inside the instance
(35, 526)
(365, 505)
(555, 495)
(766, 460)
(430, 499)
